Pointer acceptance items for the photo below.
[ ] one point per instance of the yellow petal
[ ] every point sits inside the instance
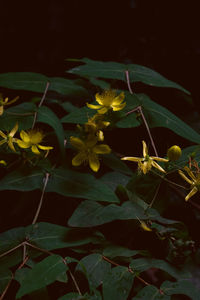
(100, 135)
(159, 158)
(24, 136)
(77, 143)
(119, 99)
(35, 150)
(78, 159)
(136, 159)
(144, 226)
(44, 147)
(10, 144)
(103, 110)
(184, 177)
(157, 166)
(99, 99)
(118, 107)
(14, 130)
(145, 149)
(190, 173)
(22, 144)
(92, 106)
(145, 166)
(3, 135)
(3, 162)
(191, 193)
(94, 162)
(2, 142)
(1, 110)
(11, 101)
(102, 149)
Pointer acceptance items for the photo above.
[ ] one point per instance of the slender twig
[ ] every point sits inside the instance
(6, 288)
(41, 198)
(154, 197)
(11, 250)
(39, 249)
(41, 101)
(139, 109)
(24, 251)
(75, 283)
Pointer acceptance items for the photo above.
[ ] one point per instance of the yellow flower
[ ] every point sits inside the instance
(108, 100)
(32, 139)
(95, 125)
(5, 102)
(88, 152)
(2, 162)
(146, 162)
(194, 182)
(9, 138)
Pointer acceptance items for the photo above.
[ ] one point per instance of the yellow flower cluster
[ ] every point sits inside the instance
(4, 102)
(88, 146)
(30, 139)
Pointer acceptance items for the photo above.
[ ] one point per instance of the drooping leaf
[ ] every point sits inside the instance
(116, 164)
(91, 213)
(182, 287)
(22, 114)
(95, 269)
(151, 292)
(76, 296)
(80, 185)
(113, 70)
(79, 116)
(117, 284)
(42, 274)
(36, 82)
(159, 116)
(142, 264)
(117, 251)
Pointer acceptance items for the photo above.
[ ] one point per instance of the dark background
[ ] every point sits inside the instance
(164, 35)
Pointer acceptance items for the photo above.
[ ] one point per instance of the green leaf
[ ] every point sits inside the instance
(37, 83)
(79, 116)
(158, 116)
(113, 179)
(46, 115)
(90, 213)
(5, 278)
(117, 284)
(150, 292)
(95, 269)
(76, 296)
(42, 274)
(22, 114)
(115, 163)
(113, 70)
(119, 251)
(143, 264)
(80, 185)
(182, 287)
(22, 181)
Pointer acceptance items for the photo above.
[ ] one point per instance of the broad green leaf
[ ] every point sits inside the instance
(21, 180)
(158, 116)
(95, 269)
(113, 70)
(5, 278)
(115, 163)
(117, 251)
(142, 264)
(91, 213)
(113, 179)
(151, 292)
(79, 116)
(182, 287)
(117, 284)
(46, 115)
(80, 185)
(37, 83)
(100, 83)
(22, 114)
(42, 274)
(51, 236)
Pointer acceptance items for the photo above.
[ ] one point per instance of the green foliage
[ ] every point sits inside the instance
(79, 223)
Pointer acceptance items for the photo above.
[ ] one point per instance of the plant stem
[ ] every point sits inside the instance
(41, 198)
(139, 109)
(40, 104)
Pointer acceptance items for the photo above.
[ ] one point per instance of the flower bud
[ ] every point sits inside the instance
(174, 153)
